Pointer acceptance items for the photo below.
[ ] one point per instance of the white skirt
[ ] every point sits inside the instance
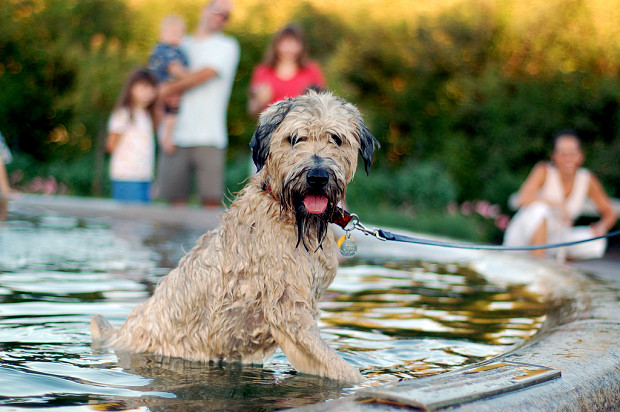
(529, 218)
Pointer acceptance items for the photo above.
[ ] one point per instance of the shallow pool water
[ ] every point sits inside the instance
(391, 318)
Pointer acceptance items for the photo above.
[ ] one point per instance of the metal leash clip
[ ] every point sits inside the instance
(355, 224)
(349, 222)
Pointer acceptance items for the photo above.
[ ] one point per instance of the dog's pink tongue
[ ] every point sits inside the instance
(315, 204)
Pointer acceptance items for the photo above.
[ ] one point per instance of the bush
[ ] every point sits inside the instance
(421, 186)
(61, 67)
(237, 172)
(30, 175)
(422, 198)
(425, 185)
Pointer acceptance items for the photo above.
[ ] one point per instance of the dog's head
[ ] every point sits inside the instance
(305, 150)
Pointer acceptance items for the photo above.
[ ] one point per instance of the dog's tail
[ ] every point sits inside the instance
(101, 330)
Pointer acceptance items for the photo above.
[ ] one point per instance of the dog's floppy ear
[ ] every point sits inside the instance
(367, 145)
(268, 122)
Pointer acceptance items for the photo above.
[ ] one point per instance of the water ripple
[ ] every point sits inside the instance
(391, 319)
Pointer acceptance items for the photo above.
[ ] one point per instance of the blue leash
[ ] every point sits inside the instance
(385, 235)
(350, 221)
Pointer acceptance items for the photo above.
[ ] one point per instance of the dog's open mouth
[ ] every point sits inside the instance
(315, 204)
(313, 212)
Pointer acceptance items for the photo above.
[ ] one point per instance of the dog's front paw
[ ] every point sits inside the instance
(351, 375)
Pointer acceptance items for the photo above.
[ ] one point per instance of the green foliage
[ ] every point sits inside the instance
(76, 180)
(420, 186)
(504, 128)
(463, 95)
(425, 185)
(460, 91)
(237, 172)
(61, 66)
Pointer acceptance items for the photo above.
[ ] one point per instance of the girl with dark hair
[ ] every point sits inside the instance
(285, 72)
(131, 139)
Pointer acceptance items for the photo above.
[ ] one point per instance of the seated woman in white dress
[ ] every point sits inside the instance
(552, 198)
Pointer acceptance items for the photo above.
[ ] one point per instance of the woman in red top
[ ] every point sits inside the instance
(284, 72)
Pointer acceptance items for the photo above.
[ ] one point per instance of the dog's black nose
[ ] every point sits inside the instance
(317, 178)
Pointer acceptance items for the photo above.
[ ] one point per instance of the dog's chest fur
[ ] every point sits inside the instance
(266, 270)
(222, 301)
(269, 253)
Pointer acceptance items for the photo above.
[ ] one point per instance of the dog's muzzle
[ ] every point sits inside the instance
(315, 201)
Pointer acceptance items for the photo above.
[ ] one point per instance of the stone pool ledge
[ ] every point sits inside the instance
(580, 337)
(200, 218)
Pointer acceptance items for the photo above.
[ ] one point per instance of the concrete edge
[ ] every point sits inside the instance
(201, 218)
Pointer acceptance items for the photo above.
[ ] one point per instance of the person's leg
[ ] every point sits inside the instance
(168, 123)
(210, 163)
(173, 176)
(116, 190)
(522, 226)
(131, 191)
(121, 190)
(5, 188)
(143, 192)
(539, 238)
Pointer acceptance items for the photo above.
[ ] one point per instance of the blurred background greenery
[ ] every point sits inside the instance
(462, 94)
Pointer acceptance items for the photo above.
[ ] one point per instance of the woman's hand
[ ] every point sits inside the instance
(599, 228)
(260, 96)
(264, 94)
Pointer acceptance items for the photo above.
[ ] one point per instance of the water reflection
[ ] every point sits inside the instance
(392, 319)
(422, 299)
(191, 385)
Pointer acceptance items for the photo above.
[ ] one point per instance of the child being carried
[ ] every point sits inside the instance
(167, 61)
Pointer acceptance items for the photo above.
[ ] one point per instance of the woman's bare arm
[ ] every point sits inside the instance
(603, 204)
(528, 193)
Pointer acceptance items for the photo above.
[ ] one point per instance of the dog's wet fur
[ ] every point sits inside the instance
(253, 283)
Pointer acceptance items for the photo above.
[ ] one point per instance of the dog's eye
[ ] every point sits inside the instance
(294, 139)
(336, 139)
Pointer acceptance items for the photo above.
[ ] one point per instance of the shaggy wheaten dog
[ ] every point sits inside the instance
(253, 283)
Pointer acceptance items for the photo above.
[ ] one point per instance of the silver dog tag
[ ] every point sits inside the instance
(348, 247)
